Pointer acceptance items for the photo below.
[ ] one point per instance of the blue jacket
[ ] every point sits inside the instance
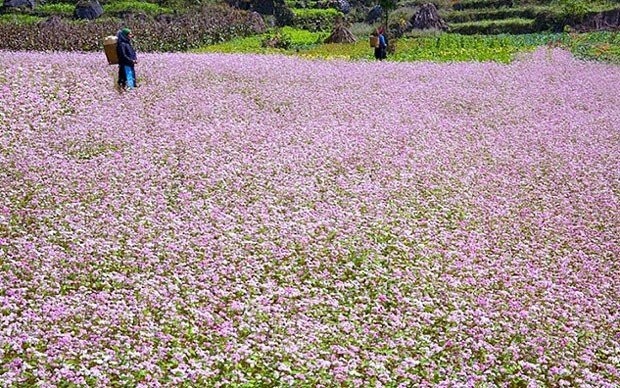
(382, 41)
(124, 49)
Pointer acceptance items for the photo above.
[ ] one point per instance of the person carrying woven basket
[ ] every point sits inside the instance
(127, 60)
(381, 48)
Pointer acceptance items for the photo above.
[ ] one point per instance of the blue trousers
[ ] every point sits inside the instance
(130, 76)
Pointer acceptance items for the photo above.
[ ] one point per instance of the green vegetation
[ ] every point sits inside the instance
(119, 7)
(14, 18)
(511, 26)
(62, 9)
(479, 30)
(433, 46)
(492, 14)
(315, 19)
(519, 17)
(296, 39)
(206, 25)
(603, 46)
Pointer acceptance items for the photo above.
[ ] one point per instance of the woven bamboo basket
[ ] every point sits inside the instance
(374, 41)
(109, 47)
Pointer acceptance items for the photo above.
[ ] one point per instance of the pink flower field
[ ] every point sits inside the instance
(246, 220)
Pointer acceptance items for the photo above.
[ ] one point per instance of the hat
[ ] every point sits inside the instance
(125, 31)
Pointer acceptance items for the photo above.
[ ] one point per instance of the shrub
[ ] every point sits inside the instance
(206, 26)
(315, 19)
(277, 39)
(283, 14)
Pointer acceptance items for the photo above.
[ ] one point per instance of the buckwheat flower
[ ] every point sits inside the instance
(233, 227)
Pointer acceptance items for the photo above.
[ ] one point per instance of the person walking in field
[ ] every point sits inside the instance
(127, 60)
(381, 48)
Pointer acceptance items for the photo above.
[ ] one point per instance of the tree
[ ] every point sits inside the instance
(387, 6)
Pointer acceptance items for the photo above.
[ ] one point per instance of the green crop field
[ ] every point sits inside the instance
(434, 47)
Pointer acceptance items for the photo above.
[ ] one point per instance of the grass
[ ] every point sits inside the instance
(63, 9)
(135, 6)
(498, 26)
(20, 18)
(494, 14)
(299, 40)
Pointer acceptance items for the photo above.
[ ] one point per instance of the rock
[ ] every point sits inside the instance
(343, 6)
(19, 4)
(88, 9)
(427, 17)
(607, 20)
(374, 14)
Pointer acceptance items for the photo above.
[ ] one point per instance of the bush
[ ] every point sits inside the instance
(206, 26)
(277, 39)
(284, 16)
(315, 19)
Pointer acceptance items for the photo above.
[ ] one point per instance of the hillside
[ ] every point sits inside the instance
(463, 16)
(526, 16)
(181, 25)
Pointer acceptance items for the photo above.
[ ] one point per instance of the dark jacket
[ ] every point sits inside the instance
(125, 51)
(381, 50)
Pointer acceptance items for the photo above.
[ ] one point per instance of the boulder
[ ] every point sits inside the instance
(19, 4)
(343, 6)
(607, 20)
(374, 14)
(88, 9)
(427, 17)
